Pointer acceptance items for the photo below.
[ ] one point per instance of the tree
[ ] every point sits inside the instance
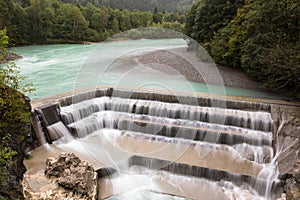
(61, 21)
(88, 11)
(125, 23)
(149, 5)
(14, 121)
(208, 17)
(99, 20)
(173, 25)
(263, 39)
(70, 23)
(19, 32)
(226, 46)
(271, 50)
(136, 19)
(115, 26)
(41, 19)
(5, 13)
(190, 20)
(3, 43)
(157, 17)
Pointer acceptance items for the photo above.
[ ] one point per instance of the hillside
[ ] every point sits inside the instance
(260, 37)
(180, 6)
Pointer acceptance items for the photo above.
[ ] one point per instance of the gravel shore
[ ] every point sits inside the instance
(188, 64)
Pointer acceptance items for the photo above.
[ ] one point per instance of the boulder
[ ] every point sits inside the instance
(56, 166)
(292, 183)
(292, 189)
(65, 178)
(70, 173)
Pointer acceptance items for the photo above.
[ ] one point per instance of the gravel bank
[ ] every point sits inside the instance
(186, 63)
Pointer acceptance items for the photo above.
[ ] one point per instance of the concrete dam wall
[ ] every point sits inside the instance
(252, 144)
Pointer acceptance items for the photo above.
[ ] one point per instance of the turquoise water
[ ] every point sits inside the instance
(55, 69)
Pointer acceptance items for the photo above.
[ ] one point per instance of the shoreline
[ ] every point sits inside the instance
(182, 61)
(84, 42)
(189, 65)
(10, 57)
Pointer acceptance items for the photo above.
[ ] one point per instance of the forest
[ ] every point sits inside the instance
(260, 37)
(52, 21)
(180, 6)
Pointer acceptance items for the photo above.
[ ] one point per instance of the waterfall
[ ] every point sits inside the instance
(38, 129)
(59, 131)
(227, 149)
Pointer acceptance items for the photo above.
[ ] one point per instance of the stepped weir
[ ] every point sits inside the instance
(208, 147)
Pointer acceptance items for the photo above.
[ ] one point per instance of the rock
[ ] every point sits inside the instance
(296, 173)
(286, 132)
(292, 189)
(56, 166)
(292, 183)
(73, 174)
(282, 197)
(38, 186)
(18, 141)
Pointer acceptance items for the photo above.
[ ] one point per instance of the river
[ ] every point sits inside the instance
(58, 68)
(54, 69)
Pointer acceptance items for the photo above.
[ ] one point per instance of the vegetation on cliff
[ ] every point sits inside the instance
(261, 37)
(14, 126)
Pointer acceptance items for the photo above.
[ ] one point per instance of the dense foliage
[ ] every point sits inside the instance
(261, 37)
(52, 21)
(180, 6)
(3, 43)
(14, 116)
(208, 16)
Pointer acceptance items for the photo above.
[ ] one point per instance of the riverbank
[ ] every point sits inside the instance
(188, 64)
(44, 58)
(10, 57)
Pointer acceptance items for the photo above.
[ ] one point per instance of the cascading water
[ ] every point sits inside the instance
(231, 147)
